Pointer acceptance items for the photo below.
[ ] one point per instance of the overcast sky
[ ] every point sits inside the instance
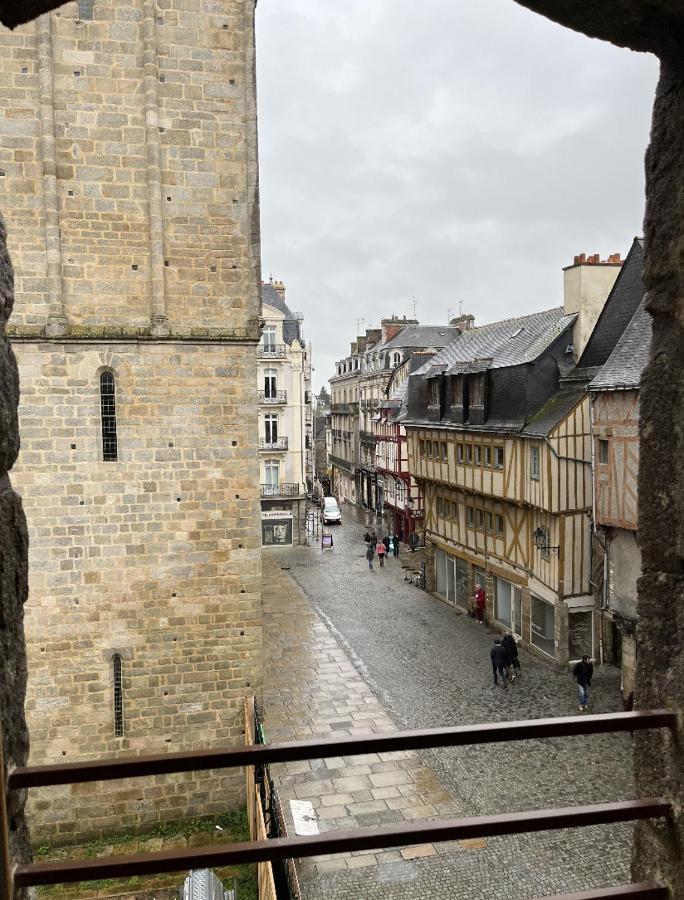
(451, 150)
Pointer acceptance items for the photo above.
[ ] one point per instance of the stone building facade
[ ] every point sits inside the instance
(128, 161)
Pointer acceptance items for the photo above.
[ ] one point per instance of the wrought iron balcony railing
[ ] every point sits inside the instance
(287, 489)
(277, 444)
(272, 397)
(272, 351)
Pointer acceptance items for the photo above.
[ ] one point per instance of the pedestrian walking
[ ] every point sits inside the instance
(373, 538)
(510, 648)
(395, 544)
(380, 549)
(370, 556)
(387, 541)
(496, 654)
(366, 538)
(480, 603)
(583, 673)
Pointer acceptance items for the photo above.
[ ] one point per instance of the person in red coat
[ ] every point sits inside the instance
(480, 601)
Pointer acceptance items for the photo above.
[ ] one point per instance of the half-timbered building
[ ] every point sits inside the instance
(499, 439)
(614, 394)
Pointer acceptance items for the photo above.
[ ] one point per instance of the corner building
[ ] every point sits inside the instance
(128, 155)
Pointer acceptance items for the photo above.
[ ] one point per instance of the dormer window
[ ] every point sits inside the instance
(477, 390)
(433, 392)
(396, 359)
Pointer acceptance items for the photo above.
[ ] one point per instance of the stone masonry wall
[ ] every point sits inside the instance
(128, 175)
(154, 557)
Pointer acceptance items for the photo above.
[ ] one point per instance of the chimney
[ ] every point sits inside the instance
(463, 323)
(373, 336)
(391, 327)
(280, 287)
(586, 285)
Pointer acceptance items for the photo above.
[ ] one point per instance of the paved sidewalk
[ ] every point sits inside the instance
(312, 689)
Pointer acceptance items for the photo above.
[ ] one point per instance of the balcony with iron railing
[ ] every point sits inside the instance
(272, 351)
(272, 397)
(286, 489)
(277, 444)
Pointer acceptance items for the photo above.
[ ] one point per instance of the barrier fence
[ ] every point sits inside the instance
(263, 850)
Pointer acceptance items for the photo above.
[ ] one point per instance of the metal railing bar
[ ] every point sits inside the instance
(256, 755)
(70, 871)
(652, 890)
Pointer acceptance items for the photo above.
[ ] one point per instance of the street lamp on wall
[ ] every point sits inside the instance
(541, 538)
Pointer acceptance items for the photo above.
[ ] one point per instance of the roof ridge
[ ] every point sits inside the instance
(540, 312)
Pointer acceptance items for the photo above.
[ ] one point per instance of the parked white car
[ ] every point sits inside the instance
(330, 511)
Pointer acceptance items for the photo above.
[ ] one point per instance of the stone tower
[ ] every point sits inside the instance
(128, 179)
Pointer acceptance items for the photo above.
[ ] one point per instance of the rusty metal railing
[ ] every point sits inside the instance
(61, 871)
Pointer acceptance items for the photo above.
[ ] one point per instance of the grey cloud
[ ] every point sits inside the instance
(451, 150)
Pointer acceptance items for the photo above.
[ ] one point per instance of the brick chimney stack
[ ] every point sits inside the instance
(463, 323)
(280, 287)
(391, 327)
(586, 285)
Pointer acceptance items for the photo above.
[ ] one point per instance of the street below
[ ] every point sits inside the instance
(350, 651)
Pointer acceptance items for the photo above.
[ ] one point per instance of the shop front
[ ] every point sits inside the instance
(276, 527)
(451, 579)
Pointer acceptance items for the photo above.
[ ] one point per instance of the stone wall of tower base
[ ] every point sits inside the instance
(152, 559)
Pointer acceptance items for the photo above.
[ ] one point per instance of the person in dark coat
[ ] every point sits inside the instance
(510, 648)
(366, 538)
(387, 541)
(498, 659)
(370, 555)
(395, 543)
(583, 673)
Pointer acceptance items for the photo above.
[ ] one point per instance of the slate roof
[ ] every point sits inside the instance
(621, 304)
(512, 342)
(397, 399)
(626, 363)
(436, 336)
(554, 410)
(291, 329)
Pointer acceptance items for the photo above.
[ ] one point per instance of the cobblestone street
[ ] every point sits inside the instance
(350, 651)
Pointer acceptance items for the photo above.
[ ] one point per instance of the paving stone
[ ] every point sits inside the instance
(421, 852)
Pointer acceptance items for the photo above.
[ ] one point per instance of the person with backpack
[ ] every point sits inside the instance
(583, 673)
(380, 549)
(370, 556)
(496, 654)
(510, 648)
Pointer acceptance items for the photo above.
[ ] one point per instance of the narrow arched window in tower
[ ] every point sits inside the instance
(118, 695)
(108, 416)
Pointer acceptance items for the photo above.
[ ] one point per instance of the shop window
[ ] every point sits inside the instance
(498, 457)
(440, 572)
(542, 625)
(508, 605)
(534, 463)
(603, 452)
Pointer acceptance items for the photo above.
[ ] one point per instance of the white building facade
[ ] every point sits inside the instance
(285, 420)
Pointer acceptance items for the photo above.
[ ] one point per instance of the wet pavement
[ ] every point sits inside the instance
(353, 651)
